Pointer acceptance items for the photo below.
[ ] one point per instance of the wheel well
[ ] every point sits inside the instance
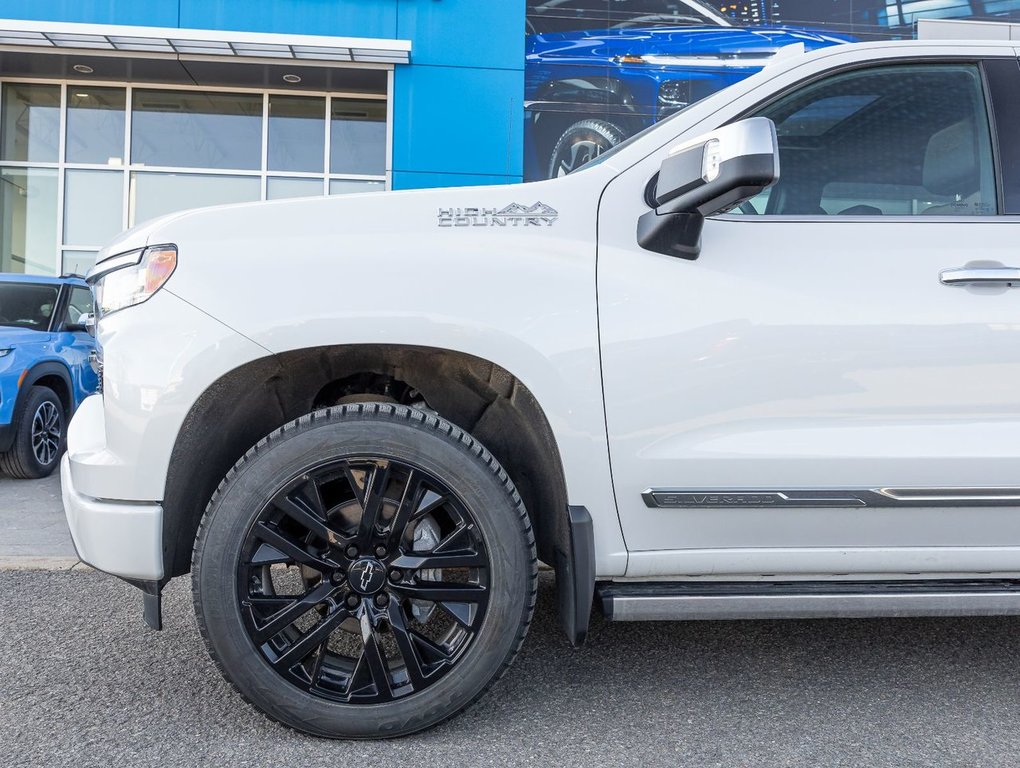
(250, 402)
(59, 385)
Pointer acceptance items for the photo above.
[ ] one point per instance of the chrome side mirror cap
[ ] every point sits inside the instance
(704, 177)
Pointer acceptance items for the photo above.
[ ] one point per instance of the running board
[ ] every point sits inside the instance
(681, 601)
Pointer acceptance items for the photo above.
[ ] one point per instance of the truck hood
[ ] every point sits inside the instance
(675, 41)
(326, 256)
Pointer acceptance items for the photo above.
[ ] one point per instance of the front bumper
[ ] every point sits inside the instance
(159, 357)
(121, 538)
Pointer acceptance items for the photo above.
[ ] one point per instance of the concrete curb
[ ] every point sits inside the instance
(40, 563)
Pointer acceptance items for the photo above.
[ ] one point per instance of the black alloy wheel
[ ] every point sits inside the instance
(367, 570)
(351, 629)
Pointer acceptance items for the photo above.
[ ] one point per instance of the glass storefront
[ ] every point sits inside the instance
(80, 163)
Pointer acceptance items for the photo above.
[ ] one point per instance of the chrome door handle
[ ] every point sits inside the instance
(980, 276)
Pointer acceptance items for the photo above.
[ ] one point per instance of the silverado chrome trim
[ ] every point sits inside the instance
(698, 498)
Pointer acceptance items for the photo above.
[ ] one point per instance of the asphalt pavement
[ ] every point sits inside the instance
(33, 531)
(84, 683)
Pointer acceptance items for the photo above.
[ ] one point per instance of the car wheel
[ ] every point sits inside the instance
(40, 436)
(367, 570)
(581, 143)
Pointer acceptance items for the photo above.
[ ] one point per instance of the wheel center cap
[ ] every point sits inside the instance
(366, 576)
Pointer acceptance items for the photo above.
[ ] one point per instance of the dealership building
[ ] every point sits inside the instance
(115, 111)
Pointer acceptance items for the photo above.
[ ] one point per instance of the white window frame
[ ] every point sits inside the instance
(128, 167)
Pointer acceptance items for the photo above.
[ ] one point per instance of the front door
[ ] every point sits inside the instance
(815, 394)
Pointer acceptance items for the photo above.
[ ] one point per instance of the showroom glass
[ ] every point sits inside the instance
(350, 186)
(95, 125)
(297, 139)
(187, 148)
(28, 219)
(357, 137)
(160, 193)
(182, 129)
(894, 141)
(281, 187)
(31, 123)
(77, 262)
(93, 206)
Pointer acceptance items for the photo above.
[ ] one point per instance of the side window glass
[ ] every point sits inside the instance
(892, 141)
(79, 305)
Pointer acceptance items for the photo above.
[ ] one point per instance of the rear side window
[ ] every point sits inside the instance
(26, 305)
(892, 141)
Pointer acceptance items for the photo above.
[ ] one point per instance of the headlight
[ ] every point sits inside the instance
(131, 278)
(5, 352)
(675, 93)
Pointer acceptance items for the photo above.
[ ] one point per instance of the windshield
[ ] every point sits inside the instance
(580, 15)
(27, 305)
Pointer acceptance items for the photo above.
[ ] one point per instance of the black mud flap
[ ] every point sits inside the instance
(152, 601)
(575, 575)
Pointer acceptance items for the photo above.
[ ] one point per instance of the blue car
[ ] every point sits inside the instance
(586, 90)
(45, 369)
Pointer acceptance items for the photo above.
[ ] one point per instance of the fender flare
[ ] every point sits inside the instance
(36, 372)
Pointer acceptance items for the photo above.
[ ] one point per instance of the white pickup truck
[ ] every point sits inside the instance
(761, 360)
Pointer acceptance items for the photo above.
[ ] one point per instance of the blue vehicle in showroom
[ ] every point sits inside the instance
(587, 89)
(45, 368)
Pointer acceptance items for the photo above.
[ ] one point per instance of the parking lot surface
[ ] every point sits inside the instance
(33, 531)
(84, 683)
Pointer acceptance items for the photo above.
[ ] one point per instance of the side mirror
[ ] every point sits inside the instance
(86, 324)
(709, 175)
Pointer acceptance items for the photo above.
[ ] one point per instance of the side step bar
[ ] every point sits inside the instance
(681, 601)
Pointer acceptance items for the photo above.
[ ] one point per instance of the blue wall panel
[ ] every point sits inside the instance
(458, 120)
(153, 13)
(411, 180)
(464, 33)
(345, 18)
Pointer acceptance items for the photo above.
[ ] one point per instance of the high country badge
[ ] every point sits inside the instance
(513, 215)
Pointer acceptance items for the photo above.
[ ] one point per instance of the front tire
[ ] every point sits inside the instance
(365, 571)
(40, 436)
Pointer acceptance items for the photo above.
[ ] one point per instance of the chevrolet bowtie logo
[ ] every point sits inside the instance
(513, 215)
(366, 576)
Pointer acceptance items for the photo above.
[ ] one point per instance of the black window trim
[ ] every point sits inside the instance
(1001, 77)
(60, 311)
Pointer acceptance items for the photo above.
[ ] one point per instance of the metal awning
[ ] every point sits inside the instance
(113, 39)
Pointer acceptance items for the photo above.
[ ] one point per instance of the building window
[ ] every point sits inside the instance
(79, 163)
(357, 137)
(297, 133)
